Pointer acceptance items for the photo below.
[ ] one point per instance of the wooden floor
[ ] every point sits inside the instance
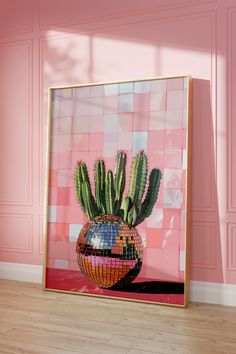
(33, 321)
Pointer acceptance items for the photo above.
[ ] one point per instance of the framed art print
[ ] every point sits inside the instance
(117, 216)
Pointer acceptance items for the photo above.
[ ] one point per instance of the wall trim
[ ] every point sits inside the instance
(212, 293)
(21, 272)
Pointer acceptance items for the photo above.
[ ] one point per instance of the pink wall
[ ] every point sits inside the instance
(63, 42)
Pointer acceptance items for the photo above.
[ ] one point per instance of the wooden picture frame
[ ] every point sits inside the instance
(147, 119)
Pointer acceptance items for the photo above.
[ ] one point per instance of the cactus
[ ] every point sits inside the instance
(109, 190)
(99, 178)
(138, 178)
(151, 196)
(109, 193)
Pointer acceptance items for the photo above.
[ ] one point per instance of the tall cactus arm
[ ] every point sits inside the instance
(151, 196)
(99, 178)
(87, 200)
(78, 181)
(138, 178)
(109, 193)
(120, 175)
(81, 176)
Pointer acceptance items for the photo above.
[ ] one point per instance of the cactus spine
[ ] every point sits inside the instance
(109, 193)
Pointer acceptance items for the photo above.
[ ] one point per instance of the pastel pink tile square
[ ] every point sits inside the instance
(156, 159)
(125, 140)
(81, 124)
(175, 84)
(65, 125)
(157, 120)
(158, 85)
(125, 121)
(96, 124)
(111, 104)
(96, 105)
(156, 140)
(170, 239)
(173, 159)
(63, 195)
(96, 142)
(140, 122)
(80, 142)
(173, 139)
(171, 219)
(64, 160)
(175, 100)
(158, 101)
(82, 106)
(141, 102)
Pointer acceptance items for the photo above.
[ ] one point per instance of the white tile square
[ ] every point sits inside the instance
(140, 140)
(172, 198)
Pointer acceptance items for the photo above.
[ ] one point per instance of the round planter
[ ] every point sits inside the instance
(109, 252)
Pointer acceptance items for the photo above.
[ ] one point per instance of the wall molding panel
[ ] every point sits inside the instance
(231, 189)
(10, 23)
(21, 50)
(231, 246)
(11, 237)
(203, 256)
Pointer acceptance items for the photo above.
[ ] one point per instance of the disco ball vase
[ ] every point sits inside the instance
(109, 252)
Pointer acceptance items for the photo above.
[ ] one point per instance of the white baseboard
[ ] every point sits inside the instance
(21, 272)
(212, 293)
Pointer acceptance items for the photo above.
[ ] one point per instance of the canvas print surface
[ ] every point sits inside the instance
(116, 213)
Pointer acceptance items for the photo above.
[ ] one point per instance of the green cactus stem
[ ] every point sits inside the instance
(78, 180)
(109, 193)
(132, 216)
(99, 178)
(120, 175)
(127, 205)
(88, 204)
(138, 178)
(84, 193)
(151, 196)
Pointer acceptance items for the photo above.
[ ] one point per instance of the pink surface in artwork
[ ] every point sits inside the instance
(71, 280)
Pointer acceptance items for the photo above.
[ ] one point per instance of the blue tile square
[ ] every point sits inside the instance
(52, 213)
(74, 230)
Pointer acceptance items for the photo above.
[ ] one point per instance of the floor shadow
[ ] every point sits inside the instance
(154, 287)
